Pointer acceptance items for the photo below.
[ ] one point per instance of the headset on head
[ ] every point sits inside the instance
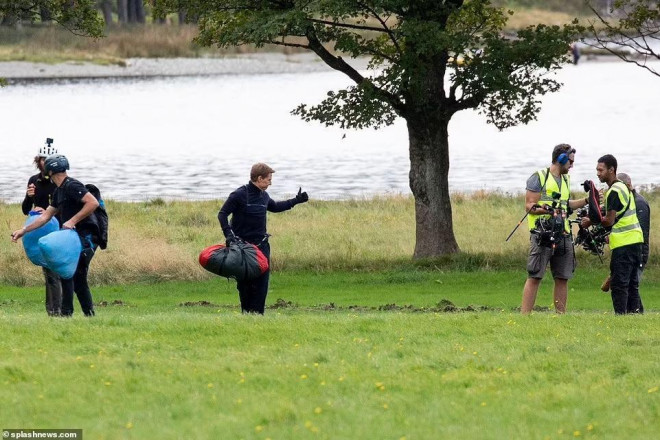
(563, 158)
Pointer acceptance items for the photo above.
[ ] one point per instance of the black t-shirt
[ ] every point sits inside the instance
(43, 192)
(613, 202)
(67, 199)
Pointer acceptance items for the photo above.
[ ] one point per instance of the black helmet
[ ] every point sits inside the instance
(56, 163)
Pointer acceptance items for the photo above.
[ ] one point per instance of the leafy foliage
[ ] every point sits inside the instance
(80, 16)
(426, 57)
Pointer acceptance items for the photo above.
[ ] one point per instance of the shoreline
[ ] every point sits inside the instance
(248, 64)
(263, 63)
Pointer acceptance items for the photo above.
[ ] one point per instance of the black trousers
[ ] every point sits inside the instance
(253, 293)
(53, 292)
(79, 285)
(624, 269)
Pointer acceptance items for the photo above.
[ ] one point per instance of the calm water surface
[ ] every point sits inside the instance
(196, 137)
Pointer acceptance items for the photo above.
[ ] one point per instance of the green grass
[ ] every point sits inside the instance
(148, 366)
(358, 342)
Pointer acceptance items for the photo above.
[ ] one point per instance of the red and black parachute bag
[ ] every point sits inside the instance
(241, 261)
(593, 196)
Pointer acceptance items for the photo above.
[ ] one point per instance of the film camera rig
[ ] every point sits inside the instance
(593, 238)
(548, 231)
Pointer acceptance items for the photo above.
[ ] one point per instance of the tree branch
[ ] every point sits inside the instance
(340, 65)
(283, 43)
(346, 25)
(385, 27)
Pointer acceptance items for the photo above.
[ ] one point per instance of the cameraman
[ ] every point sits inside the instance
(547, 202)
(40, 189)
(626, 238)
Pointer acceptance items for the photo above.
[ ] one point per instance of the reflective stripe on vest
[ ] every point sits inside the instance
(546, 196)
(626, 230)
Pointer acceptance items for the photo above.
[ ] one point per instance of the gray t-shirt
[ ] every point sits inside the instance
(534, 182)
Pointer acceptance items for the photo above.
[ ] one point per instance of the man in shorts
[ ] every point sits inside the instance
(547, 201)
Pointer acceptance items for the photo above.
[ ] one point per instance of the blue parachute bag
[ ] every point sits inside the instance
(61, 251)
(31, 239)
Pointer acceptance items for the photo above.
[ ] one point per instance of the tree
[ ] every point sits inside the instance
(106, 9)
(428, 58)
(122, 11)
(633, 34)
(79, 17)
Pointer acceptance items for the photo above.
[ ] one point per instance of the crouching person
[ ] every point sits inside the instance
(248, 206)
(74, 205)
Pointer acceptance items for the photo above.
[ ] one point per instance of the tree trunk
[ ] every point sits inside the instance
(182, 16)
(106, 9)
(131, 17)
(122, 11)
(140, 15)
(429, 182)
(45, 14)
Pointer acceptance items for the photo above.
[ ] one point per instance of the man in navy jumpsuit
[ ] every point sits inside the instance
(248, 206)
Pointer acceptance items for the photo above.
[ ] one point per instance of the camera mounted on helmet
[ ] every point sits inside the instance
(56, 163)
(47, 149)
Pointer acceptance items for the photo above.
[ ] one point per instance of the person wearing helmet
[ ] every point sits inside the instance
(74, 204)
(39, 193)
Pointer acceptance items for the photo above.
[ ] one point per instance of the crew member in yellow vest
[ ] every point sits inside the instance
(626, 238)
(547, 189)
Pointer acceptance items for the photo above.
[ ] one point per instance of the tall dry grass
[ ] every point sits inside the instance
(161, 240)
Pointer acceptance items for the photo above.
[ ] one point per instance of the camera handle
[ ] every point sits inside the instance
(522, 220)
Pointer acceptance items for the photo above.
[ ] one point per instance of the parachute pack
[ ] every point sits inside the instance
(241, 261)
(100, 215)
(31, 239)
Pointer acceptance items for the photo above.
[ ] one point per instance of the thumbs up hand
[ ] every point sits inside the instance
(301, 197)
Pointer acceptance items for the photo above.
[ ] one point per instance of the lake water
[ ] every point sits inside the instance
(196, 137)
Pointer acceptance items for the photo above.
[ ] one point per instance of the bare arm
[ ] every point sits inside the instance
(532, 198)
(577, 204)
(609, 219)
(90, 204)
(39, 222)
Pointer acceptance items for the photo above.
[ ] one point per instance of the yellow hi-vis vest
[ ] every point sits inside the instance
(548, 187)
(626, 230)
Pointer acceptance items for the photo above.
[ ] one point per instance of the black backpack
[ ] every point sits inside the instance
(100, 216)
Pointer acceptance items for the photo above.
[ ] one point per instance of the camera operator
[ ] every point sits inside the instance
(40, 189)
(626, 238)
(547, 202)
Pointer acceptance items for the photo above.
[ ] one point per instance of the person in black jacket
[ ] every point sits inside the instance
(75, 205)
(248, 206)
(40, 189)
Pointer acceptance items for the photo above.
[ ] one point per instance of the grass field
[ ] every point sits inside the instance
(358, 342)
(177, 360)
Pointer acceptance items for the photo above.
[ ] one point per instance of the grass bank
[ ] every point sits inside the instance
(160, 241)
(158, 362)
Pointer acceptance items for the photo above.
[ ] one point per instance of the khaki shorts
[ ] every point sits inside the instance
(562, 261)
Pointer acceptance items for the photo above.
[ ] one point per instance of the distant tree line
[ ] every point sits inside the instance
(18, 12)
